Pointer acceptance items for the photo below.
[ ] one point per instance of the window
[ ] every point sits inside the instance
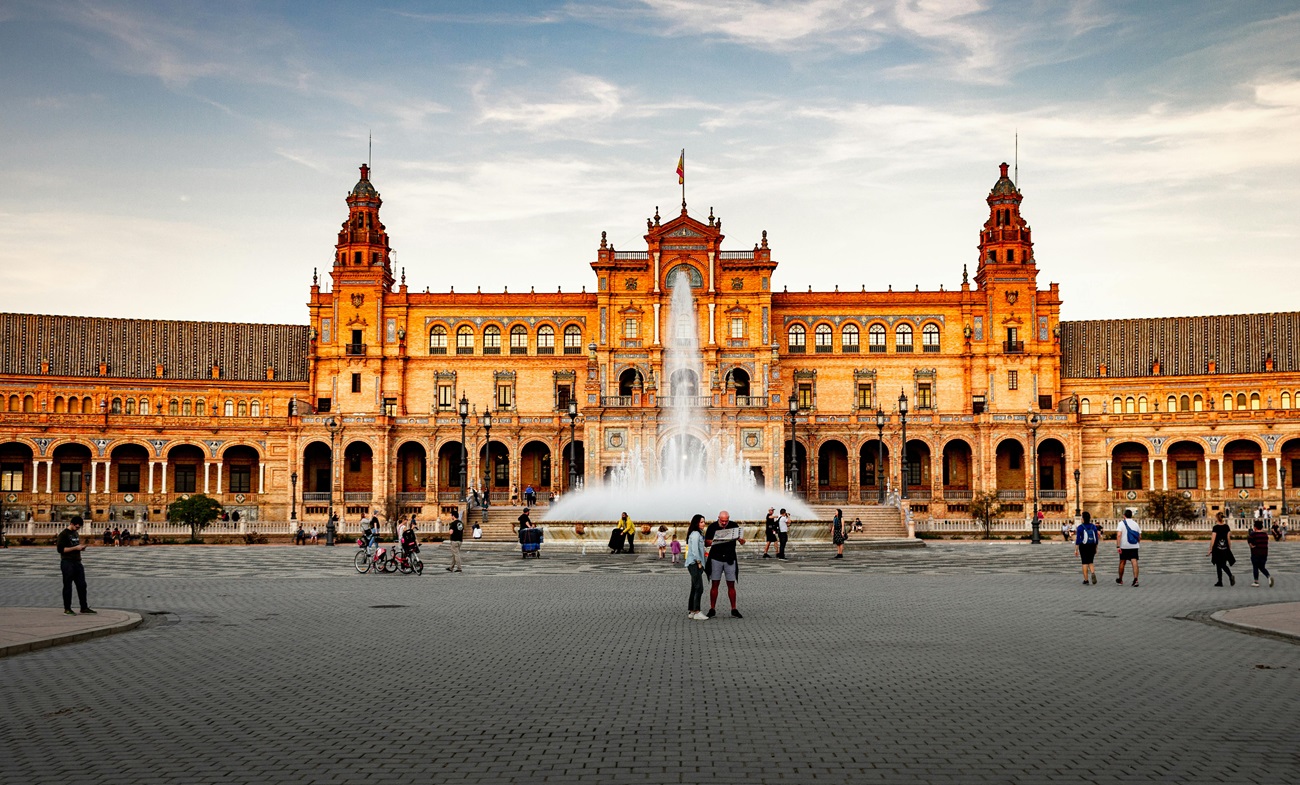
(1129, 406)
(1130, 476)
(1142, 404)
(978, 403)
(822, 337)
(1184, 404)
(913, 471)
(241, 479)
(465, 340)
(1198, 404)
(1243, 474)
(518, 339)
(930, 337)
(446, 398)
(573, 339)
(1254, 400)
(186, 407)
(438, 340)
(805, 395)
(11, 477)
(1084, 406)
(243, 409)
(1045, 402)
(864, 395)
(1013, 380)
(144, 406)
(797, 338)
(876, 337)
(505, 395)
(201, 407)
(186, 478)
(1171, 404)
(924, 398)
(128, 478)
(1286, 400)
(492, 339)
(692, 274)
(356, 382)
(737, 328)
(849, 339)
(1241, 401)
(1227, 402)
(1186, 475)
(563, 393)
(69, 478)
(255, 409)
(116, 407)
(631, 328)
(229, 410)
(129, 406)
(323, 405)
(1011, 254)
(546, 339)
(903, 338)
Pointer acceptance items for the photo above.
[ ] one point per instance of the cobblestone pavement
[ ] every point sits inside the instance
(954, 663)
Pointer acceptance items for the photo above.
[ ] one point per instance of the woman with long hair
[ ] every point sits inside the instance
(695, 566)
(838, 535)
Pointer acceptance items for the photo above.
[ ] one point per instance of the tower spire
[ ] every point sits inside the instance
(1005, 238)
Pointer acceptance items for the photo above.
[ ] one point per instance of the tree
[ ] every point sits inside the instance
(985, 508)
(1170, 508)
(196, 512)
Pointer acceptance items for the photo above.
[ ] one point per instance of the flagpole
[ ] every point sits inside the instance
(683, 179)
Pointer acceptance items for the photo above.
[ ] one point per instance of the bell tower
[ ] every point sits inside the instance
(362, 255)
(1006, 246)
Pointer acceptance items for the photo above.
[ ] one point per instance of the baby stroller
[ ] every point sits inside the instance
(530, 542)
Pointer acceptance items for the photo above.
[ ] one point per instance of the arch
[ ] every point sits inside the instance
(630, 382)
(317, 461)
(1009, 468)
(546, 339)
(128, 406)
(1184, 403)
(255, 408)
(115, 407)
(239, 469)
(243, 408)
(1117, 405)
(797, 338)
(1051, 464)
(873, 468)
(572, 339)
(1289, 455)
(1286, 399)
(1142, 404)
(574, 453)
(518, 339)
(29, 403)
(1242, 403)
(903, 335)
(1227, 402)
(849, 335)
(449, 460)
(72, 468)
(833, 467)
(496, 470)
(684, 383)
(1130, 406)
(15, 404)
(737, 380)
(60, 405)
(800, 486)
(227, 408)
(917, 467)
(492, 339)
(411, 467)
(535, 468)
(823, 337)
(930, 337)
(876, 337)
(692, 273)
(1254, 401)
(1187, 457)
(958, 461)
(74, 405)
(1084, 406)
(16, 468)
(1171, 403)
(438, 339)
(144, 406)
(358, 470)
(464, 339)
(1129, 466)
(186, 468)
(1243, 460)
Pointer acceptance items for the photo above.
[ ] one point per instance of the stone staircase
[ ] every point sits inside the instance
(878, 521)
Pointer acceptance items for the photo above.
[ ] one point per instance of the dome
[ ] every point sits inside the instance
(363, 186)
(1004, 186)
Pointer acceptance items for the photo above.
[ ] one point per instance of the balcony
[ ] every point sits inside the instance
(903, 348)
(354, 348)
(492, 350)
(752, 401)
(1013, 347)
(357, 496)
(958, 494)
(849, 348)
(930, 348)
(1011, 495)
(315, 496)
(617, 401)
(1045, 494)
(519, 350)
(404, 497)
(876, 348)
(796, 348)
(824, 348)
(546, 350)
(573, 350)
(689, 401)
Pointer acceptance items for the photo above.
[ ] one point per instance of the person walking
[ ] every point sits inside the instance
(769, 532)
(1220, 551)
(629, 532)
(1086, 538)
(675, 547)
(455, 536)
(695, 566)
(70, 547)
(530, 496)
(1258, 542)
(782, 532)
(1128, 539)
(837, 533)
(722, 560)
(661, 540)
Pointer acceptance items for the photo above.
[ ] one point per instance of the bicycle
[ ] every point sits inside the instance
(372, 557)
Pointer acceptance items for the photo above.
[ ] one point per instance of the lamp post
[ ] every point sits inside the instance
(902, 416)
(1077, 499)
(332, 427)
(573, 445)
(463, 411)
(1281, 470)
(794, 444)
(487, 468)
(880, 455)
(1034, 421)
(293, 495)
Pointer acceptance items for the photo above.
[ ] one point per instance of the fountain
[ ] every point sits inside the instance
(697, 472)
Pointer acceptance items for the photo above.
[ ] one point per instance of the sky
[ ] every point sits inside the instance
(190, 159)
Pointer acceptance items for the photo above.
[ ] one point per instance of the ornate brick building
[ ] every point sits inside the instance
(359, 409)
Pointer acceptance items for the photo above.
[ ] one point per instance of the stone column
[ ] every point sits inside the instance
(1263, 465)
(713, 335)
(205, 476)
(1109, 481)
(151, 477)
(49, 476)
(1207, 472)
(1164, 473)
(261, 476)
(656, 307)
(36, 476)
(108, 465)
(164, 478)
(94, 476)
(1220, 472)
(219, 472)
(1151, 479)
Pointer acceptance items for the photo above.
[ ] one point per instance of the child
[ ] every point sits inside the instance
(676, 547)
(661, 540)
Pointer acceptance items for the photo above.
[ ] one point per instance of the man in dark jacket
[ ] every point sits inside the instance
(70, 548)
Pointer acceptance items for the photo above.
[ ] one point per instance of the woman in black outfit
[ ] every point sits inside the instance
(1220, 552)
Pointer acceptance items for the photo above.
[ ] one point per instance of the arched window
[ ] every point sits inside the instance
(1286, 400)
(1184, 404)
(519, 339)
(13, 403)
(903, 338)
(1227, 402)
(1198, 404)
(243, 408)
(1171, 404)
(87, 405)
(185, 407)
(201, 407)
(438, 340)
(1254, 400)
(465, 339)
(116, 406)
(1241, 401)
(849, 338)
(229, 409)
(492, 339)
(1142, 404)
(573, 339)
(692, 274)
(1084, 406)
(1129, 405)
(60, 405)
(29, 404)
(144, 406)
(797, 338)
(173, 407)
(876, 338)
(1117, 405)
(255, 409)
(822, 338)
(74, 405)
(129, 406)
(930, 337)
(546, 339)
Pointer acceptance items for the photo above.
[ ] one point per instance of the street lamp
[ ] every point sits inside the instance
(794, 443)
(332, 427)
(1034, 422)
(880, 455)
(1077, 498)
(487, 468)
(1281, 470)
(902, 415)
(293, 495)
(573, 445)
(463, 411)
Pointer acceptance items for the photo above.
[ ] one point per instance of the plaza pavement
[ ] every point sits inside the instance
(959, 662)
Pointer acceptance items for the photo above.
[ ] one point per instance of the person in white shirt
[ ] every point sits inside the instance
(782, 533)
(1128, 538)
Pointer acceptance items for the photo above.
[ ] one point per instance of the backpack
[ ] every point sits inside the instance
(1089, 534)
(1133, 536)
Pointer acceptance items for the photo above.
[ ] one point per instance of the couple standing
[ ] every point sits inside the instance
(721, 538)
(777, 530)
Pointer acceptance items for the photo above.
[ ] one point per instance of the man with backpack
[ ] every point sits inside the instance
(1085, 547)
(1128, 538)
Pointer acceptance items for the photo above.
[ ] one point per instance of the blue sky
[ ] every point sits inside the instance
(189, 160)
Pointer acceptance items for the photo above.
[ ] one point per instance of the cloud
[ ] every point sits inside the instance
(578, 100)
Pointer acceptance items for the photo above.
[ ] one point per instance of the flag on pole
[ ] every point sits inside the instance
(681, 168)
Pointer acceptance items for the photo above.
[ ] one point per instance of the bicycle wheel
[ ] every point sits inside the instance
(404, 566)
(362, 562)
(417, 564)
(389, 564)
